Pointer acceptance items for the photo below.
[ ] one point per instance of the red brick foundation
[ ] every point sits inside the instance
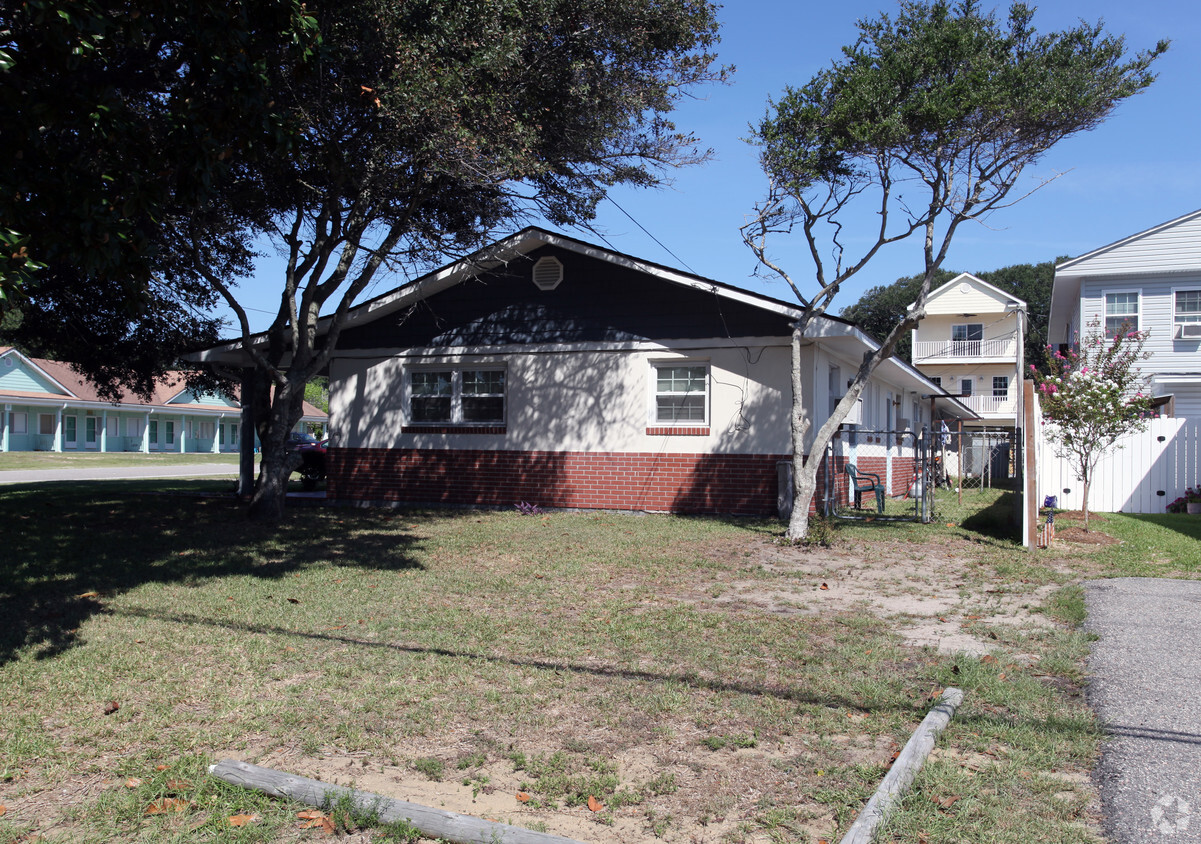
(680, 483)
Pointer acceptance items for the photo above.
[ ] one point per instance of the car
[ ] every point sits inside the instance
(312, 458)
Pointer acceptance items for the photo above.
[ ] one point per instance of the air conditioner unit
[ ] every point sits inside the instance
(1191, 330)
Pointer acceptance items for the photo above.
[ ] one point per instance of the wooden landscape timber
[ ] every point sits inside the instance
(432, 823)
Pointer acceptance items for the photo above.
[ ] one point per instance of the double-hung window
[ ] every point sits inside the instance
(966, 338)
(457, 396)
(681, 394)
(1121, 312)
(1187, 313)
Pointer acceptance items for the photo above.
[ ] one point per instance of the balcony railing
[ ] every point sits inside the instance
(987, 405)
(1003, 347)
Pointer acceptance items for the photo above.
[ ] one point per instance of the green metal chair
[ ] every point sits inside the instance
(862, 482)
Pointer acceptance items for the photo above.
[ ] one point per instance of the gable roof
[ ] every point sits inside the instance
(952, 286)
(79, 390)
(829, 328)
(1165, 249)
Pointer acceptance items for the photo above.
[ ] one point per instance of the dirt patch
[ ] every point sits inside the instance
(1078, 536)
(931, 591)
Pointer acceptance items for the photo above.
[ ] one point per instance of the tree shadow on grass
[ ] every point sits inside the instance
(68, 546)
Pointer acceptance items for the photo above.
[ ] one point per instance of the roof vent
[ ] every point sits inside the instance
(548, 272)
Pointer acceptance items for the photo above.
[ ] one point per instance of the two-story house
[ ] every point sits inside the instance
(971, 344)
(1150, 281)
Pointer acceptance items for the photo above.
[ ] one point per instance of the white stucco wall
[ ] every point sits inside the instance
(598, 400)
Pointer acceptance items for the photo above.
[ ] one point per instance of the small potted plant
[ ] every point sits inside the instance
(1190, 502)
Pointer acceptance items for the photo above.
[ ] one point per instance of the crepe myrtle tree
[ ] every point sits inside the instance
(427, 125)
(1093, 396)
(926, 122)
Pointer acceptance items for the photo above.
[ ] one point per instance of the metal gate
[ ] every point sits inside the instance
(969, 477)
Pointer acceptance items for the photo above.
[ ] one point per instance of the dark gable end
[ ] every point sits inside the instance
(597, 302)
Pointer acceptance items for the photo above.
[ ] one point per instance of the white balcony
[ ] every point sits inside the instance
(991, 407)
(1003, 348)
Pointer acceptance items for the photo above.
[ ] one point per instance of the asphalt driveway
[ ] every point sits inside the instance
(1146, 688)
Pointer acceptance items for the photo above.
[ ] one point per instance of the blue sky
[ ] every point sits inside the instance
(1140, 168)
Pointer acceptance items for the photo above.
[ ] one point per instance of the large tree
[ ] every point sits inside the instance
(119, 118)
(427, 126)
(928, 120)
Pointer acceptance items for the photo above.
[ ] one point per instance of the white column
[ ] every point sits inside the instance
(216, 449)
(58, 429)
(4, 427)
(104, 430)
(146, 434)
(183, 434)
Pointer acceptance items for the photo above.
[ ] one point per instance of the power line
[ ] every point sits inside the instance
(652, 237)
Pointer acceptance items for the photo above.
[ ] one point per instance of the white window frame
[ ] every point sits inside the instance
(70, 437)
(42, 417)
(113, 424)
(456, 372)
(936, 380)
(18, 422)
(1191, 318)
(1004, 394)
(969, 384)
(706, 402)
(1138, 308)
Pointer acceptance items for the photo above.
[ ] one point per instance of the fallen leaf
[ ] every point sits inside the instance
(945, 803)
(133, 782)
(111, 707)
(242, 820)
(950, 524)
(594, 804)
(178, 785)
(339, 627)
(935, 693)
(167, 804)
(522, 797)
(824, 586)
(293, 600)
(160, 767)
(289, 648)
(311, 814)
(988, 660)
(1001, 676)
(88, 595)
(3, 809)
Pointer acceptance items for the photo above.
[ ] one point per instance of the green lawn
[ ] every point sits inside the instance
(567, 655)
(11, 460)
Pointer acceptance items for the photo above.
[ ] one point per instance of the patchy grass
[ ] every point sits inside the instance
(567, 656)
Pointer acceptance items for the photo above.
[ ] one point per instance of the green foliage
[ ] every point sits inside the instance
(121, 127)
(316, 392)
(883, 307)
(943, 103)
(1094, 395)
(927, 89)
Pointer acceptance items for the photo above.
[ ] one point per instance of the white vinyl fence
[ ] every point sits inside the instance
(1143, 473)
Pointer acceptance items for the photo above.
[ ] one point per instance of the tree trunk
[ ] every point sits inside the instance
(277, 465)
(1084, 507)
(803, 482)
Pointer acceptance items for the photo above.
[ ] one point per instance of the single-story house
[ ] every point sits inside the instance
(548, 370)
(50, 407)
